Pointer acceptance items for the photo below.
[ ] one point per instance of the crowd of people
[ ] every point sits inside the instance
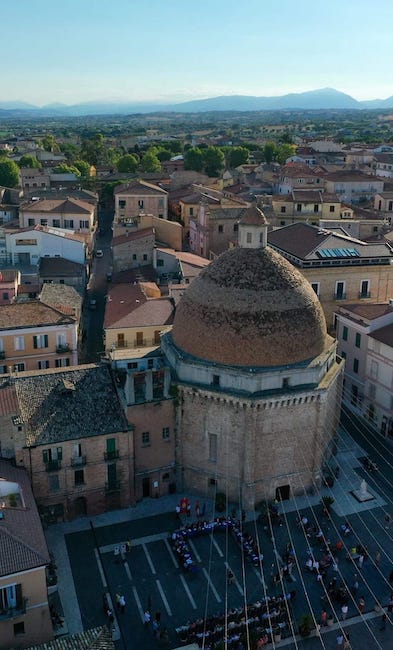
(268, 617)
(183, 551)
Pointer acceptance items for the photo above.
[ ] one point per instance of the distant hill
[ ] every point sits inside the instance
(321, 99)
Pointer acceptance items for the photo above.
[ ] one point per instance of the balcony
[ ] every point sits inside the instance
(63, 348)
(53, 465)
(11, 612)
(2, 354)
(78, 461)
(340, 296)
(363, 295)
(113, 486)
(111, 455)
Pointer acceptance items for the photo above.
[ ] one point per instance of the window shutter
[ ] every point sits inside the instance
(45, 456)
(45, 340)
(59, 453)
(35, 343)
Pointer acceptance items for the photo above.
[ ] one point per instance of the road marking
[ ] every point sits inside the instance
(198, 557)
(109, 548)
(164, 600)
(212, 587)
(150, 561)
(128, 572)
(258, 575)
(138, 604)
(100, 568)
(219, 551)
(175, 562)
(235, 579)
(278, 557)
(188, 592)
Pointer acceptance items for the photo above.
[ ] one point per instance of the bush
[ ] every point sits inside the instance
(306, 624)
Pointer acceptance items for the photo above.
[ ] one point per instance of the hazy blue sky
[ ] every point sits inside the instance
(165, 50)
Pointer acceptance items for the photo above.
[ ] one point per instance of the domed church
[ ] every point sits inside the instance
(259, 382)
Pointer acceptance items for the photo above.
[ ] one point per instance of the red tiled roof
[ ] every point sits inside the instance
(369, 311)
(127, 306)
(8, 401)
(131, 236)
(384, 335)
(139, 188)
(30, 314)
(65, 206)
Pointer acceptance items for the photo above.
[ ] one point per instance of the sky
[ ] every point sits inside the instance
(176, 50)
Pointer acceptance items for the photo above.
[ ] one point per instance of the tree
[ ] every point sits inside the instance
(49, 143)
(214, 161)
(29, 161)
(71, 151)
(238, 156)
(164, 154)
(150, 162)
(269, 151)
(82, 166)
(284, 151)
(9, 173)
(127, 163)
(193, 159)
(66, 169)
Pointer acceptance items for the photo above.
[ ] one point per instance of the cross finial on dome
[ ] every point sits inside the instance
(253, 228)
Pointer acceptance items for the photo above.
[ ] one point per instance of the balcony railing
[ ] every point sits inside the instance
(340, 296)
(60, 349)
(78, 461)
(53, 465)
(2, 354)
(113, 486)
(111, 455)
(12, 612)
(364, 294)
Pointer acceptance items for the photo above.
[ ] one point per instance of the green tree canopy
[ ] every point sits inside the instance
(29, 161)
(66, 169)
(269, 152)
(9, 173)
(82, 166)
(49, 143)
(127, 163)
(150, 162)
(164, 154)
(238, 156)
(284, 151)
(71, 151)
(193, 159)
(214, 161)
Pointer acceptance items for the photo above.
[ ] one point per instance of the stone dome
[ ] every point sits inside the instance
(250, 307)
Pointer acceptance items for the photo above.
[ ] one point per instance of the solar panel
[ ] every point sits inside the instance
(328, 253)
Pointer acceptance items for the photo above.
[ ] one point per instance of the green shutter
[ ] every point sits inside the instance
(112, 473)
(45, 456)
(60, 453)
(35, 342)
(110, 445)
(45, 341)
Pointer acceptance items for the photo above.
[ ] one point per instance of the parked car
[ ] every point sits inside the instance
(99, 253)
(92, 303)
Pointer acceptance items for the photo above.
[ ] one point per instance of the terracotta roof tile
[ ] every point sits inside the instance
(68, 205)
(132, 236)
(8, 400)
(30, 314)
(98, 638)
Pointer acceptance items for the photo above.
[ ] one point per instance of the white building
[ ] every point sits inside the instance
(29, 245)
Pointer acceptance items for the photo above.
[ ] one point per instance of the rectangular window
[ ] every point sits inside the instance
(6, 295)
(144, 257)
(340, 290)
(19, 342)
(191, 212)
(343, 355)
(40, 341)
(79, 477)
(145, 439)
(374, 369)
(160, 262)
(139, 338)
(220, 228)
(122, 204)
(364, 289)
(216, 380)
(19, 367)
(165, 433)
(43, 365)
(249, 238)
(62, 363)
(283, 209)
(213, 447)
(356, 365)
(157, 337)
(19, 628)
(54, 483)
(31, 222)
(316, 207)
(10, 597)
(331, 208)
(68, 223)
(44, 222)
(345, 333)
(315, 287)
(358, 339)
(299, 207)
(56, 223)
(134, 256)
(235, 227)
(83, 223)
(140, 204)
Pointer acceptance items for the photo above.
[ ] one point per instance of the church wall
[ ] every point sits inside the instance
(262, 444)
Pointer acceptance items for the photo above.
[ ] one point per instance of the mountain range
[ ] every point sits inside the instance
(321, 99)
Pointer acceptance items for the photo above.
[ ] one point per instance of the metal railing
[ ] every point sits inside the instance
(340, 296)
(78, 461)
(111, 455)
(60, 349)
(11, 612)
(53, 465)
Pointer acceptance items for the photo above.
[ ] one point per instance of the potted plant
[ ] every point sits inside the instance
(306, 624)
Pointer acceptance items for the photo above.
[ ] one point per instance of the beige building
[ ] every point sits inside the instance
(133, 248)
(35, 336)
(77, 445)
(132, 320)
(168, 232)
(24, 609)
(70, 213)
(353, 186)
(304, 205)
(140, 197)
(340, 269)
(258, 378)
